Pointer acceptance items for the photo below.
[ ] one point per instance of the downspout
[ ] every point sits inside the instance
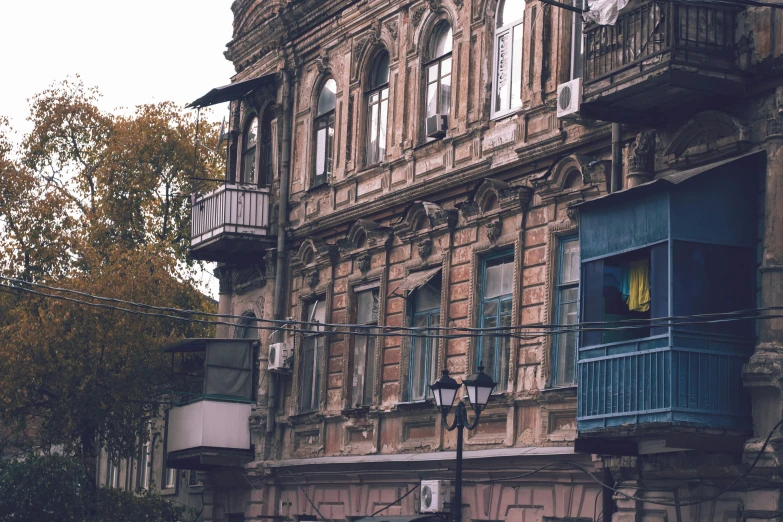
(616, 182)
(282, 218)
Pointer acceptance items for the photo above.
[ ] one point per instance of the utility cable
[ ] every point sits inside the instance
(308, 497)
(387, 506)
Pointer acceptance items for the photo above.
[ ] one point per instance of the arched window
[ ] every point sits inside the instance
(324, 132)
(249, 152)
(507, 92)
(267, 174)
(438, 70)
(377, 96)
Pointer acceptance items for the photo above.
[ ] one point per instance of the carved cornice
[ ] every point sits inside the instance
(423, 215)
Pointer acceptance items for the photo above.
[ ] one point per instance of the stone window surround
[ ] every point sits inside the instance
(305, 300)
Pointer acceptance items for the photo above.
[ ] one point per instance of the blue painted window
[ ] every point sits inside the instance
(425, 312)
(496, 291)
(312, 353)
(566, 313)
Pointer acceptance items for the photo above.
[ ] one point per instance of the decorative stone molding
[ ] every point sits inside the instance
(641, 159)
(491, 193)
(314, 252)
(223, 275)
(253, 276)
(417, 15)
(424, 214)
(572, 211)
(494, 229)
(363, 263)
(270, 263)
(313, 278)
(708, 136)
(365, 230)
(393, 29)
(322, 62)
(553, 182)
(424, 248)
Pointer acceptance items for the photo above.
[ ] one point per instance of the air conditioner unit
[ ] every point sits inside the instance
(569, 97)
(437, 125)
(278, 353)
(435, 494)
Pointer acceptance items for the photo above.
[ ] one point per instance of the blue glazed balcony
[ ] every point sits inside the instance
(688, 244)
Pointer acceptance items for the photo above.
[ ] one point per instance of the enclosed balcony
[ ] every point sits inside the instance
(665, 268)
(661, 58)
(231, 223)
(210, 425)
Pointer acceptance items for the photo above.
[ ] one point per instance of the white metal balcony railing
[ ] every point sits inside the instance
(231, 209)
(209, 424)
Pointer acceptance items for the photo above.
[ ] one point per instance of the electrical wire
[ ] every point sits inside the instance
(682, 320)
(387, 506)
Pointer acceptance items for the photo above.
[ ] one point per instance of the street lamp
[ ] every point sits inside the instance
(480, 386)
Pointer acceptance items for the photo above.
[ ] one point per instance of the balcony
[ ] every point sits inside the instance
(661, 58)
(210, 427)
(658, 262)
(230, 224)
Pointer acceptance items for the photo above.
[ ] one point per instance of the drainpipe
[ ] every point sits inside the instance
(282, 219)
(606, 495)
(616, 182)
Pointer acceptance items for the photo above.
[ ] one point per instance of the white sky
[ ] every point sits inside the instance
(135, 52)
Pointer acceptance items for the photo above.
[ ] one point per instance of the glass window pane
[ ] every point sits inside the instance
(445, 67)
(367, 306)
(320, 152)
(252, 133)
(432, 90)
(382, 130)
(490, 310)
(372, 129)
(516, 68)
(500, 278)
(577, 43)
(418, 362)
(308, 360)
(432, 73)
(249, 170)
(427, 297)
(329, 145)
(369, 377)
(445, 95)
(441, 41)
(380, 72)
(569, 272)
(510, 11)
(327, 99)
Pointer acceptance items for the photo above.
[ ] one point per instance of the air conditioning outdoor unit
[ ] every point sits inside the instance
(569, 97)
(278, 353)
(435, 494)
(437, 125)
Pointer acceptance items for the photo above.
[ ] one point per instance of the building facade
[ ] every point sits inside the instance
(459, 181)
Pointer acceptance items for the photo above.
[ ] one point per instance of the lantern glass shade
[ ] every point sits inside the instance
(480, 386)
(444, 390)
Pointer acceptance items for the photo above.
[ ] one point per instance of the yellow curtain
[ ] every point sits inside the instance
(639, 297)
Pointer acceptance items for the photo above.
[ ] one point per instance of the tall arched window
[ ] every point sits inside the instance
(246, 327)
(249, 152)
(324, 132)
(438, 70)
(507, 92)
(267, 175)
(377, 96)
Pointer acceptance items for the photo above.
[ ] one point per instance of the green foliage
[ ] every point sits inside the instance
(98, 203)
(53, 488)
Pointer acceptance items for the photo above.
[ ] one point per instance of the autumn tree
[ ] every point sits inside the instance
(98, 203)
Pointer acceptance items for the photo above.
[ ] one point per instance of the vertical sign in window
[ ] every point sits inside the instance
(424, 353)
(497, 285)
(364, 348)
(312, 353)
(508, 56)
(566, 313)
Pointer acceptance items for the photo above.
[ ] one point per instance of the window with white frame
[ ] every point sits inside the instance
(366, 309)
(144, 465)
(509, 33)
(313, 345)
(437, 70)
(425, 313)
(169, 478)
(249, 152)
(377, 96)
(495, 312)
(566, 312)
(323, 127)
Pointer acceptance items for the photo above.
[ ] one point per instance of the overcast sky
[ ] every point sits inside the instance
(135, 52)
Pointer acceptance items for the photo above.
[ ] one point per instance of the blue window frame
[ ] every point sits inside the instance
(425, 313)
(566, 312)
(495, 305)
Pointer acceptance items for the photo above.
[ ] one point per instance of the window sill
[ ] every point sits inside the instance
(508, 114)
(564, 387)
(359, 411)
(415, 405)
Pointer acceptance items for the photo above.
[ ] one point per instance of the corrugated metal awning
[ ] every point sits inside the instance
(232, 91)
(415, 280)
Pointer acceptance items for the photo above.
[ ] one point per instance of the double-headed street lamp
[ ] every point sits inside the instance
(480, 386)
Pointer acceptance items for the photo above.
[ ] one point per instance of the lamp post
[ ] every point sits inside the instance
(479, 386)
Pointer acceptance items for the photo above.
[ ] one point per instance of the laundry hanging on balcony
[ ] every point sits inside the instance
(639, 286)
(603, 12)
